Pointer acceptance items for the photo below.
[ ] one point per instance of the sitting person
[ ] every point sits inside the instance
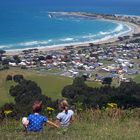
(65, 117)
(35, 121)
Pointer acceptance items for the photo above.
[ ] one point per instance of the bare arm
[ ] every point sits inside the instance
(57, 122)
(72, 119)
(26, 124)
(53, 124)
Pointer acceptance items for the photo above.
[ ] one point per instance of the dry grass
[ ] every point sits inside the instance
(89, 125)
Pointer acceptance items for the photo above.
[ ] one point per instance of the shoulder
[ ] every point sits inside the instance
(60, 115)
(71, 112)
(44, 118)
(30, 116)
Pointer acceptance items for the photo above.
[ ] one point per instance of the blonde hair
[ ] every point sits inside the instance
(64, 105)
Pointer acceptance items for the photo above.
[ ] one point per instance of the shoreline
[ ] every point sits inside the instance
(134, 29)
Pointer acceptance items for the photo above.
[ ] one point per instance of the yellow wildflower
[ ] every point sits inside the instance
(7, 112)
(111, 106)
(50, 109)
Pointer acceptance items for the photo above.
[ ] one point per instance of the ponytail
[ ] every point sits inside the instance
(66, 110)
(64, 105)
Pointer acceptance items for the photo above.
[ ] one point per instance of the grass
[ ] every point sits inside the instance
(55, 70)
(88, 125)
(137, 78)
(51, 85)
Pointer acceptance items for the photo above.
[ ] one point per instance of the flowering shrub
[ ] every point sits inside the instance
(111, 106)
(7, 112)
(49, 111)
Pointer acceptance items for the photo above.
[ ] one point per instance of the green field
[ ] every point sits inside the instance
(88, 125)
(137, 78)
(51, 85)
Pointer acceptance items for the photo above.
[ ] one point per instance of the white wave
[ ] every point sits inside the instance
(67, 39)
(4, 46)
(119, 28)
(104, 33)
(28, 43)
(118, 31)
(88, 36)
(32, 43)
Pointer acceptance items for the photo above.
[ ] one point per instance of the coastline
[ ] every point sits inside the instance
(134, 29)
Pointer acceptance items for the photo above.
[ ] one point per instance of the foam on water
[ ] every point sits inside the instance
(72, 39)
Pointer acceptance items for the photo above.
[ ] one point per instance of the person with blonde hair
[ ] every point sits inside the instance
(65, 117)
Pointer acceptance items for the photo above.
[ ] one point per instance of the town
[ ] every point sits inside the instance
(118, 60)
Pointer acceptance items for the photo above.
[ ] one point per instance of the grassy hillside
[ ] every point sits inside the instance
(51, 85)
(137, 78)
(87, 126)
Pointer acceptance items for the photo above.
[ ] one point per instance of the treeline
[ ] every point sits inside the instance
(127, 95)
(25, 92)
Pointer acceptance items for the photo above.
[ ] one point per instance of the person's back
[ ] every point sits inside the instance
(36, 122)
(65, 117)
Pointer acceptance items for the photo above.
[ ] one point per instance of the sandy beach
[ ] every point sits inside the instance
(134, 29)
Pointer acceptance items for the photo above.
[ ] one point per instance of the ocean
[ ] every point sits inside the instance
(26, 24)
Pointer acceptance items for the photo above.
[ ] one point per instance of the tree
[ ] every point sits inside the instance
(25, 93)
(17, 59)
(48, 57)
(2, 52)
(5, 62)
(107, 80)
(7, 110)
(79, 82)
(127, 95)
(41, 58)
(18, 78)
(9, 77)
(77, 91)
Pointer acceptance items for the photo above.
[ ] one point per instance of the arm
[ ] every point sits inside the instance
(72, 119)
(26, 124)
(53, 124)
(57, 122)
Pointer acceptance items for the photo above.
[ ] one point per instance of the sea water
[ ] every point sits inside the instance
(26, 24)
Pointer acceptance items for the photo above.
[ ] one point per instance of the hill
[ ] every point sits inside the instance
(88, 125)
(51, 85)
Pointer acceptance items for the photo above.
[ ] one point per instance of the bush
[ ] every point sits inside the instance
(9, 77)
(127, 95)
(25, 93)
(18, 78)
(2, 52)
(107, 80)
(8, 110)
(5, 62)
(23, 67)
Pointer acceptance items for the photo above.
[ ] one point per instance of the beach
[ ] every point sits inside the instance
(133, 29)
